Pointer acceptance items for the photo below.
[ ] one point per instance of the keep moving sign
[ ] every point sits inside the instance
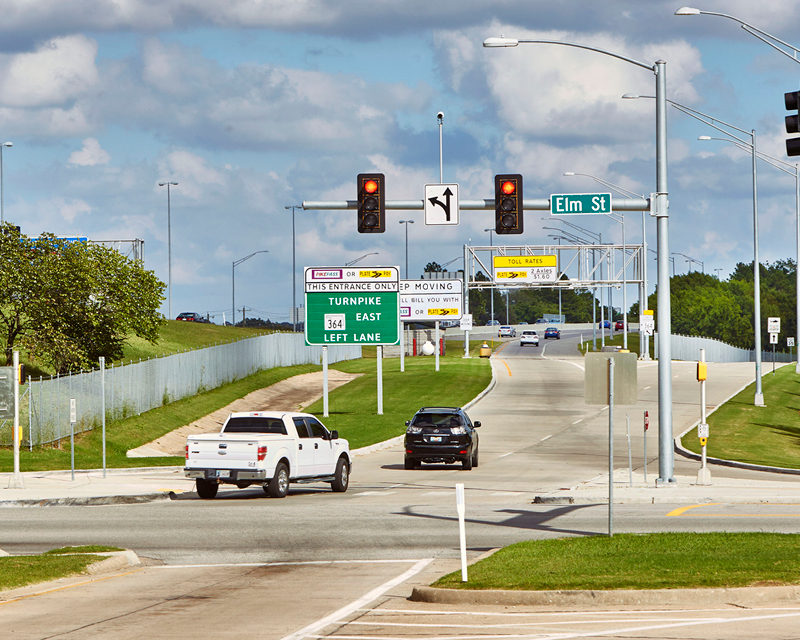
(348, 305)
(426, 300)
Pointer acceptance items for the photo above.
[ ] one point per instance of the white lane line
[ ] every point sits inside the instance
(507, 493)
(541, 614)
(505, 455)
(438, 493)
(546, 438)
(577, 421)
(375, 493)
(647, 387)
(336, 616)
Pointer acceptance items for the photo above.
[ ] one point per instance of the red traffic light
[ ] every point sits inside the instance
(508, 187)
(370, 186)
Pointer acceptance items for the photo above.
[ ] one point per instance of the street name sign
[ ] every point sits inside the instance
(427, 300)
(511, 269)
(349, 305)
(441, 204)
(580, 203)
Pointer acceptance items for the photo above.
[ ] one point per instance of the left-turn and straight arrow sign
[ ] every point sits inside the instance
(441, 204)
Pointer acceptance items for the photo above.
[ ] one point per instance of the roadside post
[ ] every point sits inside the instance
(73, 418)
(611, 378)
(103, 406)
(324, 382)
(630, 458)
(773, 328)
(704, 475)
(646, 427)
(9, 409)
(790, 344)
(462, 535)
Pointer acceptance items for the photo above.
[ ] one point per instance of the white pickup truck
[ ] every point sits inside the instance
(270, 448)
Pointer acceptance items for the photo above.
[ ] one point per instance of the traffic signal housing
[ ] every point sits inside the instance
(508, 203)
(792, 100)
(371, 203)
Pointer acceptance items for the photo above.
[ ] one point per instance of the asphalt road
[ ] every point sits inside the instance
(537, 436)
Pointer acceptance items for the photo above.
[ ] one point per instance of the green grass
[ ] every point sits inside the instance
(629, 561)
(353, 407)
(132, 432)
(87, 548)
(768, 435)
(19, 571)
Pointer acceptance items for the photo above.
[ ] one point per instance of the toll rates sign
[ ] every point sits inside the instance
(519, 269)
(348, 305)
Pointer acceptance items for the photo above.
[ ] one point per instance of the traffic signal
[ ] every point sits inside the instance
(371, 203)
(508, 203)
(792, 100)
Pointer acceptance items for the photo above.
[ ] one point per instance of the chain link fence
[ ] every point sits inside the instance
(137, 387)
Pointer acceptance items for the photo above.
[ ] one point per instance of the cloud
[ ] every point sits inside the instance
(70, 209)
(91, 154)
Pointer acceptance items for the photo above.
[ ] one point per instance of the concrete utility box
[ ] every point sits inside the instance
(626, 384)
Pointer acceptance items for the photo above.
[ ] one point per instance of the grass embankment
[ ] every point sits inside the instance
(352, 408)
(768, 435)
(629, 561)
(18, 571)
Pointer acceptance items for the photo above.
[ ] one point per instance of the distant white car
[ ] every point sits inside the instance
(507, 332)
(529, 338)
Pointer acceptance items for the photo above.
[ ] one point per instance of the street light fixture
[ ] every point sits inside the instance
(713, 123)
(233, 283)
(169, 243)
(360, 258)
(754, 31)
(406, 222)
(2, 144)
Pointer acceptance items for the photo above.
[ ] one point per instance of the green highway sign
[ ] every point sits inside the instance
(351, 305)
(580, 203)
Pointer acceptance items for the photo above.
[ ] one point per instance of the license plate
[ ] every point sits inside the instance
(223, 473)
(436, 438)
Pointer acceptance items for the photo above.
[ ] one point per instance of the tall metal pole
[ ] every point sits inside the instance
(2, 190)
(666, 460)
(169, 243)
(797, 263)
(406, 222)
(294, 272)
(759, 397)
(491, 289)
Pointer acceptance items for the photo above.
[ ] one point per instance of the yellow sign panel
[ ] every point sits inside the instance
(702, 371)
(703, 442)
(509, 262)
(647, 312)
(375, 273)
(511, 274)
(443, 312)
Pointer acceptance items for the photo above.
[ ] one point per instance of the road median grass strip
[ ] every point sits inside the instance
(742, 432)
(638, 561)
(20, 571)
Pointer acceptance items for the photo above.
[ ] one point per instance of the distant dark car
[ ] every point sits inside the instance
(605, 324)
(552, 332)
(441, 435)
(619, 325)
(190, 316)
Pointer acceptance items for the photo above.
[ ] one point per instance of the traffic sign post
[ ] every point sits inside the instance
(773, 328)
(580, 204)
(525, 268)
(703, 475)
(347, 305)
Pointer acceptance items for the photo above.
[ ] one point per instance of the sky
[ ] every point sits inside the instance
(255, 105)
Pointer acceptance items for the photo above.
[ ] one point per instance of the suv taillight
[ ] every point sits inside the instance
(262, 453)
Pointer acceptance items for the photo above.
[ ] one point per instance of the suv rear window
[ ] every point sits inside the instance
(437, 420)
(255, 424)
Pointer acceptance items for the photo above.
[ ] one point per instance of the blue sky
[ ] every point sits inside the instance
(254, 105)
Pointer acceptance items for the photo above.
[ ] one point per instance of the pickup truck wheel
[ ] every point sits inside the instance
(278, 487)
(206, 489)
(342, 476)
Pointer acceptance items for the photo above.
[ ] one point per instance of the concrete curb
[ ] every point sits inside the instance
(116, 561)
(110, 471)
(91, 500)
(386, 444)
(742, 596)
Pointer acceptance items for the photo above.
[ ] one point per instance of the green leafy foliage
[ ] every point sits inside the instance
(68, 303)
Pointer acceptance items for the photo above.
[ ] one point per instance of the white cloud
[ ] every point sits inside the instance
(193, 173)
(69, 208)
(91, 154)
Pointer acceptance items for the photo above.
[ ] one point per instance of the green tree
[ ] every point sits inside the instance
(70, 303)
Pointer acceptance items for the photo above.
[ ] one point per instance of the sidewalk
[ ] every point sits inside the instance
(120, 486)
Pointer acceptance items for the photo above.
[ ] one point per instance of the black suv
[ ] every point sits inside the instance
(441, 434)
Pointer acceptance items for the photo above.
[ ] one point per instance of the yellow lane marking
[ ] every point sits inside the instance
(681, 510)
(507, 367)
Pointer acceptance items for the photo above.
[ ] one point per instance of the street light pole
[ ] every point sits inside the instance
(233, 284)
(406, 222)
(491, 289)
(360, 258)
(294, 270)
(169, 244)
(2, 144)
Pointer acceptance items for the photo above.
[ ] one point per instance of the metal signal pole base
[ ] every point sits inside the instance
(759, 400)
(704, 476)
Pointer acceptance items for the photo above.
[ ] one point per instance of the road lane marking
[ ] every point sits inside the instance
(577, 421)
(507, 493)
(507, 367)
(375, 493)
(354, 606)
(507, 454)
(681, 510)
(546, 438)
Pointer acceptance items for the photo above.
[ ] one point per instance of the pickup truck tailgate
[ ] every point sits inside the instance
(234, 451)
